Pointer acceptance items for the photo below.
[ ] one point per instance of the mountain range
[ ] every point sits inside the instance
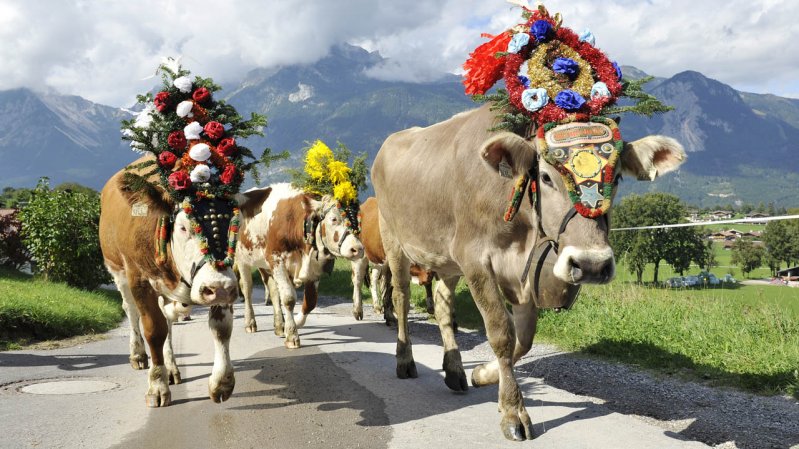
(742, 146)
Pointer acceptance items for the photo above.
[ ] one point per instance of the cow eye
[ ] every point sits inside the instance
(333, 220)
(546, 179)
(182, 228)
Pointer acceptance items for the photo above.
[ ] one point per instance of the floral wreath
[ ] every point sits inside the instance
(197, 159)
(328, 173)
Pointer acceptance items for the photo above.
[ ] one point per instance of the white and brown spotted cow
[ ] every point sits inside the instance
(128, 224)
(379, 275)
(290, 237)
(451, 221)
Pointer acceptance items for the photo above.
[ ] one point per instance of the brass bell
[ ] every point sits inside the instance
(216, 236)
(214, 223)
(215, 229)
(213, 216)
(205, 217)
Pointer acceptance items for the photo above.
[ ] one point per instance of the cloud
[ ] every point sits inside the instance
(103, 50)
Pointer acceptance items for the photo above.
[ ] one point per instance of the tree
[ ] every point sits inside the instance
(14, 198)
(676, 246)
(60, 229)
(707, 259)
(779, 244)
(13, 253)
(746, 256)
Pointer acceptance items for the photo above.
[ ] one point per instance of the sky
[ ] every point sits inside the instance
(107, 51)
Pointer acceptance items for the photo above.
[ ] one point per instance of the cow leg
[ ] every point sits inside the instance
(222, 380)
(138, 356)
(277, 311)
(155, 332)
(171, 314)
(516, 423)
(309, 300)
(288, 297)
(386, 293)
(374, 289)
(400, 266)
(245, 284)
(359, 269)
(455, 376)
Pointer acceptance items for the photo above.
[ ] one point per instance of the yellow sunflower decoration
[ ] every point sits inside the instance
(328, 172)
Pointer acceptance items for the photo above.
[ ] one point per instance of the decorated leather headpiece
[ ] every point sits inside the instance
(328, 173)
(197, 159)
(559, 86)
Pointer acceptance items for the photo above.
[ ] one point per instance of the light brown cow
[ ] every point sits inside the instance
(128, 224)
(451, 221)
(273, 239)
(379, 275)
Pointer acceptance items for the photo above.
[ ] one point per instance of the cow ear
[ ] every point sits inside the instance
(250, 202)
(508, 154)
(652, 156)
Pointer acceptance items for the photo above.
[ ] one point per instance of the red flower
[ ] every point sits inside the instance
(201, 95)
(177, 140)
(179, 180)
(226, 147)
(229, 174)
(161, 101)
(483, 68)
(214, 130)
(167, 159)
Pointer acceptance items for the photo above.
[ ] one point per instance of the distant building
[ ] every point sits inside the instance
(720, 215)
(757, 216)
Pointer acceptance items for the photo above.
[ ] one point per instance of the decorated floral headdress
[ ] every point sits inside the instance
(197, 160)
(556, 78)
(327, 172)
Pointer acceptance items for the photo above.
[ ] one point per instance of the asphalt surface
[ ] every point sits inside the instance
(338, 390)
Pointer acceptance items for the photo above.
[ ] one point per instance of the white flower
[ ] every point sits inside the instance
(201, 173)
(200, 152)
(184, 109)
(587, 36)
(518, 42)
(183, 84)
(192, 130)
(600, 89)
(534, 99)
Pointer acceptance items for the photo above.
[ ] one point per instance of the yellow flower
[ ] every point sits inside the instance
(316, 160)
(339, 171)
(345, 192)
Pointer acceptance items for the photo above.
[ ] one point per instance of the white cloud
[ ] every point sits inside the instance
(102, 50)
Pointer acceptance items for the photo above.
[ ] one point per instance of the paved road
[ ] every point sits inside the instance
(338, 390)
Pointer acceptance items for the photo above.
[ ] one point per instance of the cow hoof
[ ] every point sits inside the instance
(482, 375)
(358, 314)
(251, 329)
(293, 343)
(431, 310)
(279, 331)
(515, 430)
(158, 399)
(139, 361)
(222, 391)
(378, 310)
(391, 321)
(407, 370)
(174, 377)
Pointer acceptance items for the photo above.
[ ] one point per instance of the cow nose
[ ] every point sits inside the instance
(215, 294)
(356, 252)
(592, 271)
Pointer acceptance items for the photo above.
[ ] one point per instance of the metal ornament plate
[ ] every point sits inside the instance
(505, 170)
(139, 210)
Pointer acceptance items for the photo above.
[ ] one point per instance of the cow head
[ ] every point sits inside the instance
(199, 245)
(578, 171)
(338, 230)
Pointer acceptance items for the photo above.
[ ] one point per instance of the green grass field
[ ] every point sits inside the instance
(33, 310)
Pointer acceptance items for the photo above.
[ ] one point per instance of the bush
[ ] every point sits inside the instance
(13, 253)
(60, 229)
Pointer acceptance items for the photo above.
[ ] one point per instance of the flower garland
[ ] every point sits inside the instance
(232, 236)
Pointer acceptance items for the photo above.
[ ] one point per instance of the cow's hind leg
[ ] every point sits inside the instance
(222, 380)
(155, 332)
(138, 356)
(274, 297)
(169, 308)
(309, 299)
(525, 318)
(400, 266)
(455, 377)
(359, 269)
(386, 292)
(245, 283)
(516, 423)
(288, 298)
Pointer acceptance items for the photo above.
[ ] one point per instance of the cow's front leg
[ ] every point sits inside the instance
(138, 356)
(169, 309)
(288, 298)
(359, 269)
(400, 267)
(277, 308)
(455, 376)
(516, 423)
(525, 318)
(309, 299)
(374, 289)
(245, 283)
(155, 332)
(222, 380)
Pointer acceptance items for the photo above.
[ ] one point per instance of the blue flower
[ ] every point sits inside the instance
(518, 42)
(541, 29)
(587, 36)
(618, 69)
(566, 66)
(535, 99)
(524, 80)
(569, 100)
(600, 89)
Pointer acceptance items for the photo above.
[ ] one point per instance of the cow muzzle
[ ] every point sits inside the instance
(585, 266)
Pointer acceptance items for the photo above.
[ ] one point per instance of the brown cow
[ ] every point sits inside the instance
(379, 275)
(273, 238)
(128, 224)
(451, 221)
